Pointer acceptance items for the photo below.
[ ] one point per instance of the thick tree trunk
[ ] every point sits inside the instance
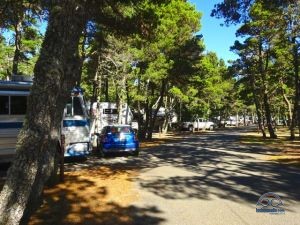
(55, 74)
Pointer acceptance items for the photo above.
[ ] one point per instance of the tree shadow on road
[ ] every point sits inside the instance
(223, 168)
(220, 167)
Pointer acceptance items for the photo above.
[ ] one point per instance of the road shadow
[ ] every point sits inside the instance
(223, 168)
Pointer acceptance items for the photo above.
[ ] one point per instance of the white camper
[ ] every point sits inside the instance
(13, 104)
(106, 113)
(13, 99)
(76, 125)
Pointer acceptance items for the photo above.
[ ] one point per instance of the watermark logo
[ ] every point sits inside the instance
(270, 203)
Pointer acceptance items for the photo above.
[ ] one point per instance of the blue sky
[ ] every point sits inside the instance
(217, 38)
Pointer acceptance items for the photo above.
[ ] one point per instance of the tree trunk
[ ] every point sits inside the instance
(56, 72)
(148, 115)
(83, 51)
(296, 117)
(141, 130)
(266, 103)
(257, 106)
(290, 112)
(17, 52)
(167, 117)
(165, 125)
(106, 89)
(153, 117)
(269, 117)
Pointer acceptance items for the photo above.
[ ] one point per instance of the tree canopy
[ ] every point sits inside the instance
(149, 55)
(269, 57)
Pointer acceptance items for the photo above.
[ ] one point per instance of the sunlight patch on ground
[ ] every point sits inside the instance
(86, 196)
(289, 150)
(159, 139)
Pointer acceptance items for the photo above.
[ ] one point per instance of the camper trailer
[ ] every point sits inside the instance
(107, 113)
(13, 104)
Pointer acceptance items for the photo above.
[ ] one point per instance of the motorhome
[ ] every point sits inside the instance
(13, 105)
(13, 99)
(76, 125)
(107, 113)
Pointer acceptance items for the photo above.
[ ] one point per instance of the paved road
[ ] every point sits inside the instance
(207, 178)
(210, 178)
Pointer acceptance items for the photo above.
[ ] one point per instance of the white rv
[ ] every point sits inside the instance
(13, 99)
(13, 104)
(106, 113)
(76, 125)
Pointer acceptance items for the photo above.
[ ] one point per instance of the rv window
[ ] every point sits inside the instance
(110, 111)
(77, 106)
(4, 105)
(18, 105)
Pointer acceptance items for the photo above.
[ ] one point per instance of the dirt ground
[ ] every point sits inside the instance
(289, 150)
(89, 196)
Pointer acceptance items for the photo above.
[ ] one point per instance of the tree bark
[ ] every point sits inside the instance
(257, 106)
(55, 72)
(296, 114)
(17, 52)
(266, 103)
(154, 116)
(289, 109)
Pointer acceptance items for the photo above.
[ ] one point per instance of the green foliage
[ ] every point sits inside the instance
(162, 40)
(269, 56)
(6, 54)
(19, 20)
(213, 85)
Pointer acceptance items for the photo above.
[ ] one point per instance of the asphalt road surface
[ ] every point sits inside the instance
(207, 178)
(210, 178)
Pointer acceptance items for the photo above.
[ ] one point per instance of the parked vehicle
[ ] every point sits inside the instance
(13, 99)
(118, 138)
(76, 125)
(106, 113)
(231, 122)
(13, 105)
(198, 124)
